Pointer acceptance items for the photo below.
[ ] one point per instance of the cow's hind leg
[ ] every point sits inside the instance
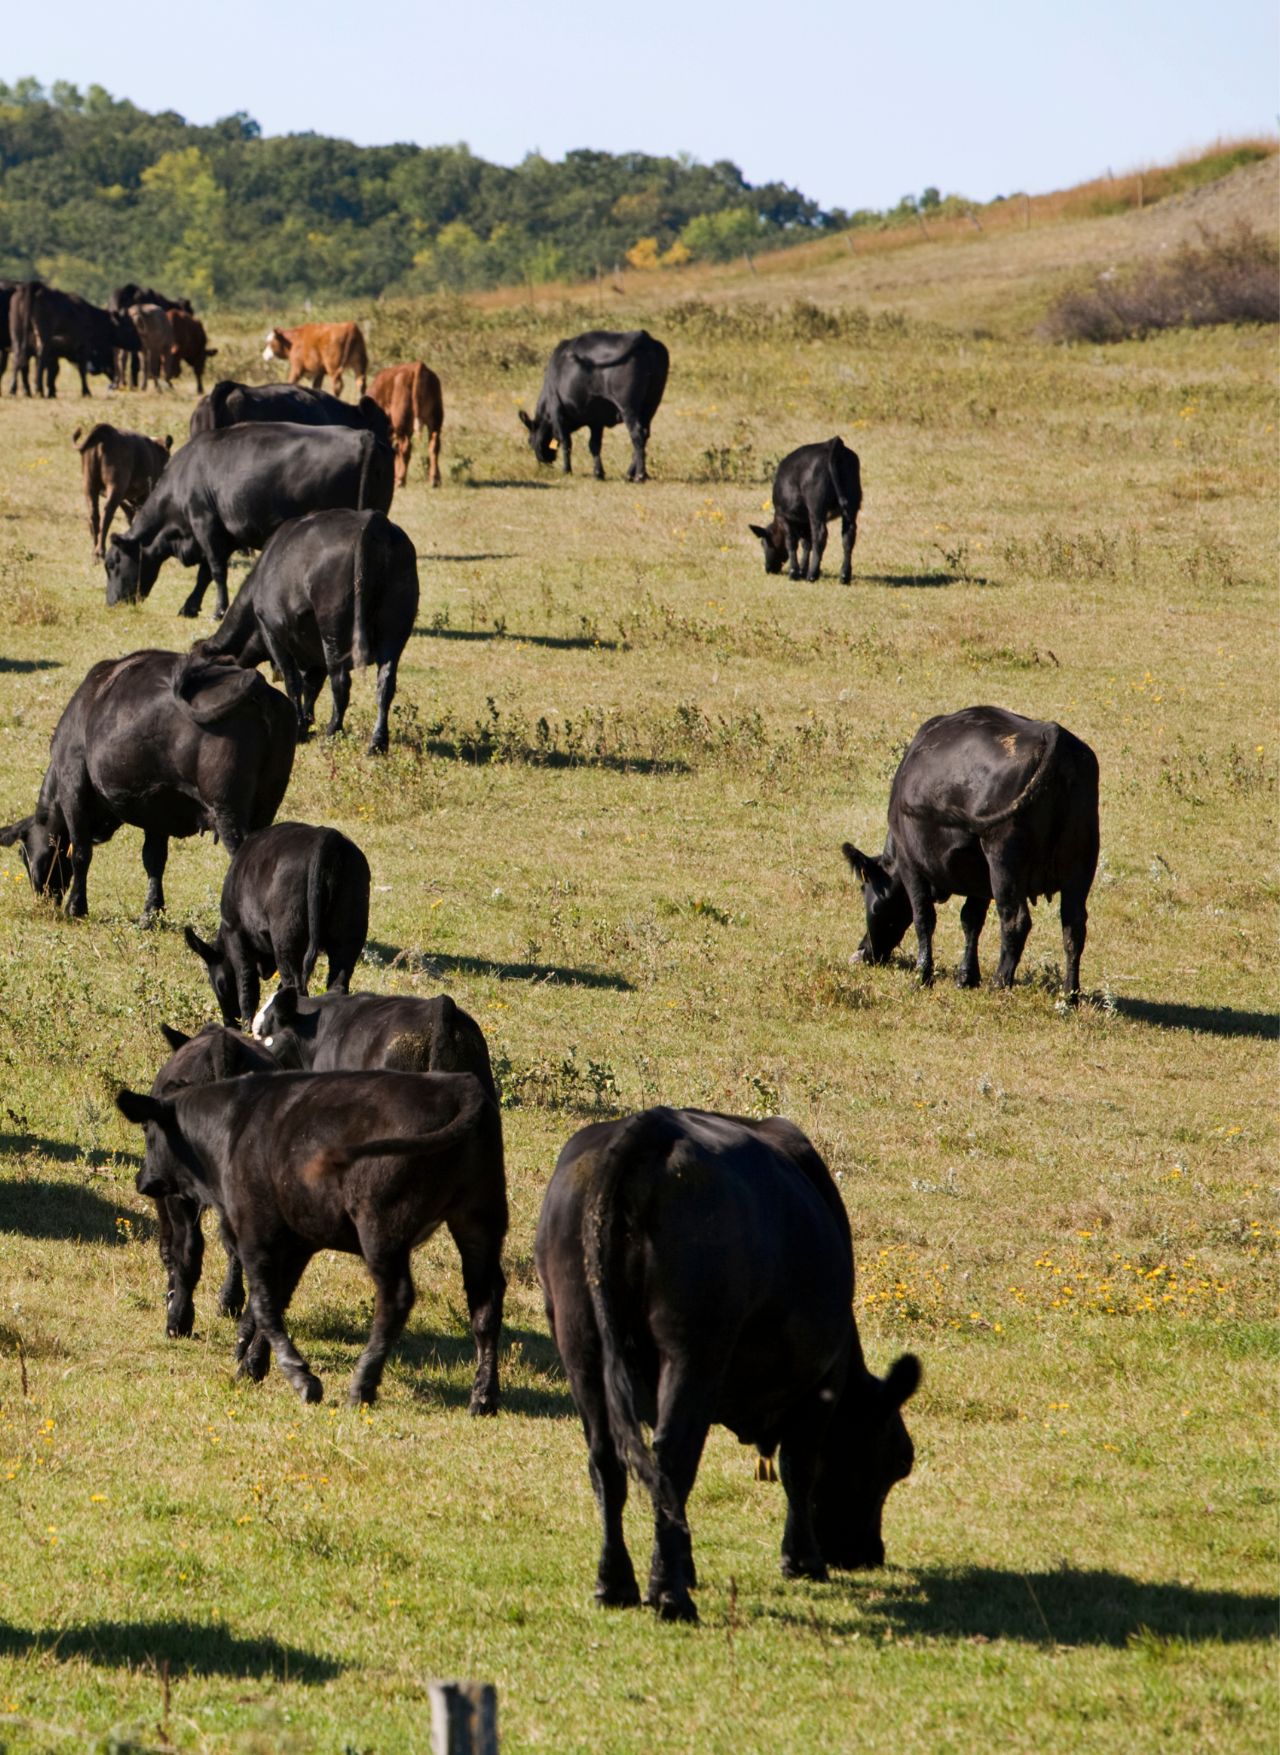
(594, 441)
(386, 695)
(273, 1278)
(480, 1246)
(1015, 924)
(231, 1295)
(433, 457)
(339, 675)
(394, 1301)
(616, 1586)
(848, 536)
(155, 855)
(686, 1398)
(639, 440)
(182, 1251)
(1075, 917)
(817, 547)
(972, 919)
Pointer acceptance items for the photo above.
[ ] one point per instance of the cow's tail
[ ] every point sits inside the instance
(320, 875)
(1032, 790)
(332, 1161)
(217, 400)
(604, 1241)
(848, 510)
(361, 573)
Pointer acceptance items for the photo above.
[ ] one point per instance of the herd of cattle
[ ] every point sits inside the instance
(697, 1268)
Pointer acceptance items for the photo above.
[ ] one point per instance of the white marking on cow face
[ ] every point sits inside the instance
(268, 352)
(261, 1018)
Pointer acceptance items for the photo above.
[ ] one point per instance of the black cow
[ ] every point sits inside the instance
(133, 294)
(811, 486)
(7, 290)
(698, 1271)
(369, 1163)
(353, 1032)
(329, 591)
(228, 491)
(230, 404)
(594, 381)
(167, 742)
(984, 803)
(49, 326)
(212, 1054)
(291, 891)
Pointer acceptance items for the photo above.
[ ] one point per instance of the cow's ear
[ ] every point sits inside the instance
(13, 831)
(136, 1107)
(903, 1379)
(206, 952)
(209, 352)
(128, 545)
(525, 419)
(759, 530)
(174, 1038)
(168, 441)
(285, 1002)
(868, 870)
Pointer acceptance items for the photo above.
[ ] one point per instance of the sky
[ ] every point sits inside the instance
(854, 105)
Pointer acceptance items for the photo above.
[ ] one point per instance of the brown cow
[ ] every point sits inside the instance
(159, 349)
(316, 348)
(191, 344)
(123, 466)
(410, 396)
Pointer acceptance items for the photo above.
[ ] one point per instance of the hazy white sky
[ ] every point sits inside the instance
(856, 105)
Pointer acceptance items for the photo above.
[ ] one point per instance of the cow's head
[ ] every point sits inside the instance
(221, 975)
(45, 851)
(887, 903)
(278, 345)
(167, 1165)
(866, 1451)
(773, 543)
(276, 1028)
(131, 571)
(541, 436)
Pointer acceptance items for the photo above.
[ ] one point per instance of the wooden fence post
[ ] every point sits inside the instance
(464, 1718)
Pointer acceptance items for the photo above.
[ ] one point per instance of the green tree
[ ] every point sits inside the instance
(190, 208)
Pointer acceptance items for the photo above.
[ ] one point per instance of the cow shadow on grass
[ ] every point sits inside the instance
(23, 666)
(478, 752)
(1065, 1607)
(1208, 1020)
(478, 557)
(922, 581)
(552, 642)
(548, 974)
(188, 1648)
(64, 1212)
(443, 1364)
(540, 487)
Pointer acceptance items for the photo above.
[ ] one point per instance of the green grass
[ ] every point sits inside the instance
(622, 765)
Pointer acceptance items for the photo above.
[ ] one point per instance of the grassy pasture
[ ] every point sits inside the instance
(622, 764)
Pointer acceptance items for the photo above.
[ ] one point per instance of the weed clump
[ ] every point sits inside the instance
(1231, 279)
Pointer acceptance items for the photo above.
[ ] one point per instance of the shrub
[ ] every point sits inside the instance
(1232, 279)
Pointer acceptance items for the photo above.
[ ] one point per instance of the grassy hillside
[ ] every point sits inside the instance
(623, 762)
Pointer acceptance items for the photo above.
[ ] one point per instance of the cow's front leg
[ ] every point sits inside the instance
(393, 1304)
(204, 573)
(565, 442)
(479, 1244)
(798, 1466)
(248, 985)
(1015, 924)
(793, 554)
(182, 1252)
(594, 441)
(80, 836)
(1074, 920)
(155, 855)
(924, 917)
(972, 919)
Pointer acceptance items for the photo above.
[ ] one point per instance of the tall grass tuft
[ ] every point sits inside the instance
(1231, 279)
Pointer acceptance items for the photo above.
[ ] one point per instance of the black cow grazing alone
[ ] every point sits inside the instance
(984, 804)
(230, 404)
(354, 1032)
(229, 491)
(368, 1163)
(330, 591)
(164, 741)
(291, 892)
(594, 381)
(812, 486)
(202, 1059)
(698, 1271)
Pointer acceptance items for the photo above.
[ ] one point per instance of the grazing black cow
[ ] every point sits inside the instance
(330, 591)
(354, 1032)
(49, 326)
(698, 1271)
(984, 804)
(167, 742)
(212, 1054)
(812, 485)
(133, 294)
(291, 891)
(227, 491)
(230, 404)
(369, 1163)
(594, 381)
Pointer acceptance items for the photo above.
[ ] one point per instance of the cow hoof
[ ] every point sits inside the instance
(377, 748)
(673, 1608)
(618, 1596)
(815, 1569)
(483, 1405)
(232, 1306)
(965, 980)
(311, 1389)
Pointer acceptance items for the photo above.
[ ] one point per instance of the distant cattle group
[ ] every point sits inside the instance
(696, 1268)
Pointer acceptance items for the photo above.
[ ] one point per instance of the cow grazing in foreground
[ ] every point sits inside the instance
(229, 491)
(812, 486)
(413, 402)
(48, 326)
(190, 345)
(230, 404)
(159, 350)
(594, 381)
(698, 1271)
(329, 591)
(984, 804)
(123, 466)
(291, 892)
(354, 1032)
(368, 1163)
(317, 350)
(168, 743)
(212, 1054)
